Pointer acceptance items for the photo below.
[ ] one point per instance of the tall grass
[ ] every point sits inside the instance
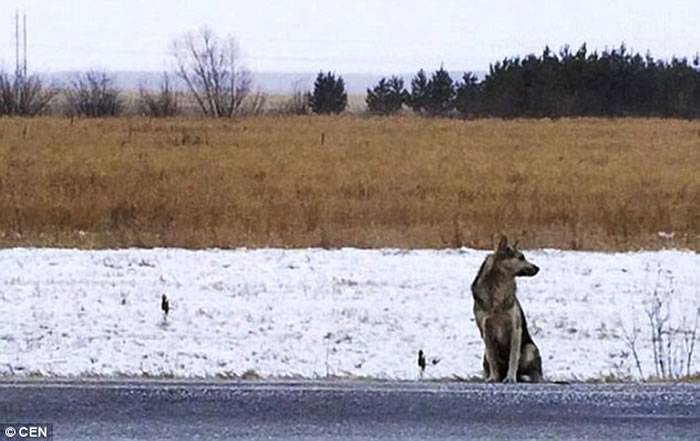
(349, 181)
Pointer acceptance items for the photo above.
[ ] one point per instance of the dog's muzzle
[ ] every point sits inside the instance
(530, 270)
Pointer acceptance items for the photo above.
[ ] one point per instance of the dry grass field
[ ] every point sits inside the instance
(349, 181)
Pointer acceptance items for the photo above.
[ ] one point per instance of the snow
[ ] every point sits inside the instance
(318, 313)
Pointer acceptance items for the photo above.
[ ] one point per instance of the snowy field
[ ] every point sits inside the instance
(317, 313)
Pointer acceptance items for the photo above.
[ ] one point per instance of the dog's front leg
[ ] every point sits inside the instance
(490, 341)
(492, 362)
(516, 338)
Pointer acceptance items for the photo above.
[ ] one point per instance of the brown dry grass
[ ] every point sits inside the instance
(337, 181)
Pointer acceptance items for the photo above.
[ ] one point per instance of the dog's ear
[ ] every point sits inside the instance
(502, 245)
(515, 245)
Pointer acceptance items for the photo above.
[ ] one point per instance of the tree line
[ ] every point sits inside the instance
(217, 84)
(614, 82)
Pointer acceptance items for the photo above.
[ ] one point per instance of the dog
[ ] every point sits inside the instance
(510, 353)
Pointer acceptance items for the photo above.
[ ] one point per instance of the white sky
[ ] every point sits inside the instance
(351, 36)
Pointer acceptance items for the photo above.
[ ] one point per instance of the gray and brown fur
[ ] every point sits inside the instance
(510, 353)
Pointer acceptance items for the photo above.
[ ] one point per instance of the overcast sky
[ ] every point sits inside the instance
(362, 36)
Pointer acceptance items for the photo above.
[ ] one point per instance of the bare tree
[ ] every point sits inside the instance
(22, 95)
(254, 104)
(159, 104)
(212, 69)
(673, 332)
(93, 95)
(631, 337)
(298, 102)
(690, 336)
(671, 359)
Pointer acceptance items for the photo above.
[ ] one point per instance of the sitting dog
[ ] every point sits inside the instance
(511, 355)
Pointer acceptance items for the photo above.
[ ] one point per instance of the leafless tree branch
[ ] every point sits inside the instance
(213, 73)
(24, 95)
(159, 104)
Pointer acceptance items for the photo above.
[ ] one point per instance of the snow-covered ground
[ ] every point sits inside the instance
(316, 313)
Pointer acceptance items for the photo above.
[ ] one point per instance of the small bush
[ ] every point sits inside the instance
(673, 333)
(253, 104)
(298, 103)
(93, 95)
(159, 104)
(24, 95)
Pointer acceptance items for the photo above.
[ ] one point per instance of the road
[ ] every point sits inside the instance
(169, 410)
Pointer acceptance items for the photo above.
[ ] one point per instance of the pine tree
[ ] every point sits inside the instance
(420, 94)
(434, 97)
(387, 97)
(329, 95)
(467, 95)
(441, 93)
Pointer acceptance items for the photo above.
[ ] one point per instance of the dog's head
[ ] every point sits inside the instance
(510, 260)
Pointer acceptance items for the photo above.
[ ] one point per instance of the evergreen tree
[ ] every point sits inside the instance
(434, 97)
(387, 97)
(420, 94)
(329, 95)
(467, 95)
(615, 82)
(441, 93)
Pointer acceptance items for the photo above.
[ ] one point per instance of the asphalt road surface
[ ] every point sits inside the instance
(352, 410)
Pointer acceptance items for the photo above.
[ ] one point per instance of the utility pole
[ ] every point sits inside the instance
(20, 63)
(20, 67)
(18, 74)
(24, 27)
(16, 43)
